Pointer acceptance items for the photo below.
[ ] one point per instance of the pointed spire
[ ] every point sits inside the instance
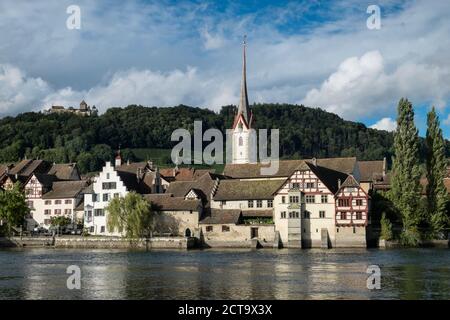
(243, 102)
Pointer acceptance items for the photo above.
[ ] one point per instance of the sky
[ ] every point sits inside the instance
(165, 53)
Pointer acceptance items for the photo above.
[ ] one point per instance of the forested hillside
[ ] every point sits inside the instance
(304, 132)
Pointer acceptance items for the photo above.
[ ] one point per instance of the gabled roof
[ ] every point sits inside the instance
(202, 185)
(45, 180)
(65, 189)
(350, 182)
(222, 216)
(183, 174)
(371, 170)
(330, 178)
(26, 168)
(287, 167)
(63, 171)
(233, 189)
(164, 201)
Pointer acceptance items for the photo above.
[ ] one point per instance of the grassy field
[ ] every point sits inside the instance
(161, 157)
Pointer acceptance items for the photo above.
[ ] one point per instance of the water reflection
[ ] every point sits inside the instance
(225, 274)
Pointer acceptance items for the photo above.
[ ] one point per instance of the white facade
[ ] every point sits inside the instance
(106, 186)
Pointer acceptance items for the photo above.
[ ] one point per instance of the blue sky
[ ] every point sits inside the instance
(164, 53)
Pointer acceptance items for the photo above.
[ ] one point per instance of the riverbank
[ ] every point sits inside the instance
(100, 242)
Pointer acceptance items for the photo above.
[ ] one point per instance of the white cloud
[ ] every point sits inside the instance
(212, 41)
(362, 87)
(150, 88)
(387, 124)
(447, 121)
(19, 93)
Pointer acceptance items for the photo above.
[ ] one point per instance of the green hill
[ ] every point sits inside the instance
(143, 133)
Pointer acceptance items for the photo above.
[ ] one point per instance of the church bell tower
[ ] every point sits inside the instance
(242, 125)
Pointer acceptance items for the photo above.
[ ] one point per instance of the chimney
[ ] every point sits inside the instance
(150, 164)
(384, 166)
(339, 183)
(314, 161)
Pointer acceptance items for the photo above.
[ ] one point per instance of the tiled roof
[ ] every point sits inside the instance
(45, 179)
(136, 177)
(222, 216)
(80, 206)
(257, 213)
(287, 167)
(164, 201)
(329, 177)
(350, 182)
(370, 170)
(63, 171)
(202, 185)
(65, 189)
(183, 174)
(233, 189)
(26, 168)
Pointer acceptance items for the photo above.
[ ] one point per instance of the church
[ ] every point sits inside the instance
(307, 203)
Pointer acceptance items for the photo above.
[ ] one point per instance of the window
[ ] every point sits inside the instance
(337, 230)
(295, 185)
(358, 216)
(354, 230)
(102, 229)
(99, 212)
(95, 197)
(344, 203)
(283, 199)
(107, 176)
(58, 201)
(259, 203)
(294, 214)
(47, 212)
(324, 198)
(91, 229)
(351, 189)
(57, 211)
(48, 202)
(108, 185)
(343, 215)
(359, 202)
(68, 202)
(225, 228)
(30, 204)
(293, 199)
(209, 228)
(269, 203)
(321, 214)
(241, 141)
(105, 197)
(250, 203)
(310, 198)
(68, 211)
(306, 215)
(283, 214)
(310, 185)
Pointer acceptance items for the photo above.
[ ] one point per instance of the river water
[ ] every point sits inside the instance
(225, 274)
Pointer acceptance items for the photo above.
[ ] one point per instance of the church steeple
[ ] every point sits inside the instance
(244, 108)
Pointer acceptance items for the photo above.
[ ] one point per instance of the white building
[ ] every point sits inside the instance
(116, 181)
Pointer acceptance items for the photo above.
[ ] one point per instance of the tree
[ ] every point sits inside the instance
(132, 214)
(406, 187)
(60, 221)
(13, 207)
(436, 167)
(386, 228)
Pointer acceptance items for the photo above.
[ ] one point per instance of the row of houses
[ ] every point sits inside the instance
(308, 203)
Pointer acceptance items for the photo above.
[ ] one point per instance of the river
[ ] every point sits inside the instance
(40, 273)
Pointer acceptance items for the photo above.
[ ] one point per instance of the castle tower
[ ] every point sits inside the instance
(243, 121)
